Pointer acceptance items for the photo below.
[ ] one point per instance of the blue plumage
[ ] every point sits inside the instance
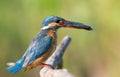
(37, 48)
(16, 67)
(44, 42)
(39, 45)
(50, 19)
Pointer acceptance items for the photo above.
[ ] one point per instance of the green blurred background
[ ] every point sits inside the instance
(90, 54)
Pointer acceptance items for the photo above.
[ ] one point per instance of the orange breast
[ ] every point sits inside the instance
(52, 33)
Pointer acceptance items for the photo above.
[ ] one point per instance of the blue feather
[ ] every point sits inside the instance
(39, 45)
(38, 50)
(17, 67)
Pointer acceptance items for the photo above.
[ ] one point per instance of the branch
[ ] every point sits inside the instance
(55, 59)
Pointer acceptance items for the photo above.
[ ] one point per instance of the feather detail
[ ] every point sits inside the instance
(17, 66)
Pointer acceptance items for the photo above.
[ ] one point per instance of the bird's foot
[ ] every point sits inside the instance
(46, 65)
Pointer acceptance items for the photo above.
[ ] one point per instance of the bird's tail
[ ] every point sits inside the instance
(15, 67)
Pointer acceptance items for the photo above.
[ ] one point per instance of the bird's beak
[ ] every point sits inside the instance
(71, 24)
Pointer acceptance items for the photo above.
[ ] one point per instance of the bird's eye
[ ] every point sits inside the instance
(58, 21)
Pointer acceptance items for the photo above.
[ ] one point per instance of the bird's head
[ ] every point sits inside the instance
(55, 22)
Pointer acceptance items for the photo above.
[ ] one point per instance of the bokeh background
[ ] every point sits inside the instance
(90, 54)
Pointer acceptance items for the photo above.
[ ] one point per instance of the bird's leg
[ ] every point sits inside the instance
(46, 65)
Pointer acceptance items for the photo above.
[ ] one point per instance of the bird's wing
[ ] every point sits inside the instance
(36, 49)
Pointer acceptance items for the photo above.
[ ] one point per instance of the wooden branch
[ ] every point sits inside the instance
(54, 60)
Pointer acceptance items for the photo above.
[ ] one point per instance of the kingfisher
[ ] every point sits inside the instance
(44, 43)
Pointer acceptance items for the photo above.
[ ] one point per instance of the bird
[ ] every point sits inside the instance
(44, 43)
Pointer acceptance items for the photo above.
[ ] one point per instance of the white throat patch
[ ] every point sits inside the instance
(46, 27)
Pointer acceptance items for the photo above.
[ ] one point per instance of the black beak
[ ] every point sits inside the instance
(71, 24)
